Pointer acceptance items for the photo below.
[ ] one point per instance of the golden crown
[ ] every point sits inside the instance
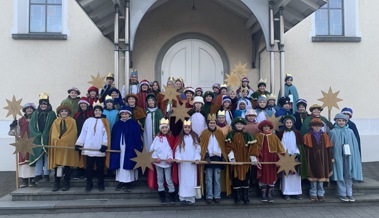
(187, 123)
(108, 97)
(263, 81)
(221, 113)
(171, 78)
(211, 117)
(164, 121)
(223, 86)
(110, 75)
(288, 75)
(43, 95)
(97, 103)
(272, 96)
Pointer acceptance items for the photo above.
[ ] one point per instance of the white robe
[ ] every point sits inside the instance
(291, 184)
(261, 116)
(123, 175)
(187, 171)
(149, 132)
(198, 123)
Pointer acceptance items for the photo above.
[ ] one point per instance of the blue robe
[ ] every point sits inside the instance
(130, 132)
(340, 136)
(112, 116)
(287, 91)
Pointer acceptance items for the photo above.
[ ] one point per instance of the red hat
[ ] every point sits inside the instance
(93, 88)
(265, 123)
(144, 82)
(83, 100)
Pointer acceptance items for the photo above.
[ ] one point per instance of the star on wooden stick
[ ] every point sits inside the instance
(232, 80)
(287, 163)
(330, 99)
(180, 112)
(143, 160)
(170, 93)
(24, 145)
(275, 121)
(98, 81)
(14, 107)
(240, 69)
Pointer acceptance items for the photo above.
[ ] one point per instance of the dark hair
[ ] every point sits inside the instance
(159, 86)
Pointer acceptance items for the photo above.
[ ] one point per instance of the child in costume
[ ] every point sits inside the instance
(153, 117)
(72, 100)
(187, 148)
(144, 90)
(117, 99)
(262, 111)
(109, 111)
(223, 92)
(138, 114)
(300, 113)
(93, 95)
(162, 150)
(318, 153)
(285, 107)
(260, 92)
(349, 113)
(105, 91)
(198, 116)
(347, 168)
(226, 105)
(241, 108)
(133, 82)
(290, 91)
(251, 123)
(315, 113)
(244, 84)
(209, 106)
(222, 124)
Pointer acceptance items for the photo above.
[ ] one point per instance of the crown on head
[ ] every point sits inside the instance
(211, 117)
(164, 121)
(187, 123)
(43, 95)
(108, 97)
(171, 78)
(97, 103)
(221, 113)
(288, 75)
(271, 96)
(263, 81)
(110, 74)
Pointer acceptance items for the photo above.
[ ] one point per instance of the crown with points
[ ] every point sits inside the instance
(164, 121)
(288, 75)
(43, 95)
(211, 117)
(262, 81)
(187, 123)
(97, 103)
(171, 78)
(271, 97)
(110, 75)
(221, 113)
(108, 98)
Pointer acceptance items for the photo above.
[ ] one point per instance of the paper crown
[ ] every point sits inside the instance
(223, 86)
(262, 81)
(271, 97)
(221, 113)
(43, 95)
(187, 123)
(288, 75)
(180, 79)
(164, 121)
(171, 78)
(108, 98)
(211, 117)
(97, 103)
(110, 75)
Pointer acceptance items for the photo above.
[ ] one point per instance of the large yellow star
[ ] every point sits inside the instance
(232, 80)
(287, 163)
(180, 112)
(275, 121)
(240, 69)
(14, 107)
(98, 81)
(170, 93)
(330, 99)
(24, 145)
(143, 160)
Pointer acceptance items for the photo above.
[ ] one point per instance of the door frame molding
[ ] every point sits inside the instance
(189, 35)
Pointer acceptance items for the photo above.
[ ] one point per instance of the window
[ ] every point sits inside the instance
(337, 21)
(45, 16)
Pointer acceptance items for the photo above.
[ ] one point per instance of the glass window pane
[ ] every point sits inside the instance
(37, 18)
(54, 18)
(38, 1)
(321, 19)
(54, 1)
(336, 22)
(335, 4)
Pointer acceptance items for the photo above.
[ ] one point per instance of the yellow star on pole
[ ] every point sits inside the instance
(14, 107)
(24, 145)
(232, 80)
(287, 163)
(240, 69)
(98, 81)
(143, 160)
(330, 99)
(275, 121)
(180, 112)
(170, 93)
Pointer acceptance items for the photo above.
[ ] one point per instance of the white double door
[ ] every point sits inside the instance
(196, 61)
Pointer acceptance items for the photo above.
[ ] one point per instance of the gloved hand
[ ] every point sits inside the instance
(208, 159)
(103, 148)
(13, 124)
(233, 160)
(253, 160)
(77, 147)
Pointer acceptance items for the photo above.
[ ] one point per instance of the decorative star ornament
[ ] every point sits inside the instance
(275, 121)
(232, 80)
(170, 93)
(98, 81)
(14, 107)
(143, 160)
(287, 163)
(24, 145)
(240, 69)
(330, 99)
(180, 112)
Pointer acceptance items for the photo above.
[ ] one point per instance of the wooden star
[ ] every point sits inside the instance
(287, 163)
(143, 160)
(24, 145)
(170, 93)
(330, 99)
(275, 121)
(98, 81)
(180, 112)
(240, 69)
(14, 107)
(232, 80)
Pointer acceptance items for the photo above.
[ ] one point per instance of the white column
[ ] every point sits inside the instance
(127, 47)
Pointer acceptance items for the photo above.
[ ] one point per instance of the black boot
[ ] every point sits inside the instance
(24, 183)
(31, 182)
(173, 197)
(37, 178)
(237, 195)
(245, 195)
(89, 186)
(119, 186)
(162, 196)
(264, 193)
(66, 184)
(46, 178)
(101, 186)
(270, 195)
(57, 184)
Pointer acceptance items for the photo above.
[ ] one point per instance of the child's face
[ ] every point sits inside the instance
(262, 88)
(245, 83)
(271, 102)
(133, 78)
(110, 81)
(178, 84)
(63, 113)
(221, 119)
(97, 112)
(208, 98)
(266, 129)
(125, 116)
(43, 106)
(199, 93)
(286, 106)
(223, 91)
(262, 104)
(212, 125)
(189, 95)
(132, 102)
(83, 106)
(151, 102)
(226, 104)
(73, 94)
(316, 112)
(216, 90)
(301, 108)
(341, 122)
(114, 94)
(242, 106)
(92, 94)
(144, 87)
(164, 129)
(170, 84)
(244, 93)
(250, 118)
(109, 105)
(289, 81)
(155, 86)
(239, 126)
(288, 124)
(316, 128)
(29, 111)
(198, 106)
(187, 129)
(232, 94)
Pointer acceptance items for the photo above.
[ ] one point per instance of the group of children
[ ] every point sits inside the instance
(101, 132)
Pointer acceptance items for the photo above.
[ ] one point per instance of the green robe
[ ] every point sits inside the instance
(72, 103)
(305, 127)
(40, 138)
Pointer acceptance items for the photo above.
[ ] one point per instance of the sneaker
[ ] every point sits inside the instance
(314, 198)
(351, 199)
(321, 198)
(209, 201)
(344, 199)
(217, 200)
